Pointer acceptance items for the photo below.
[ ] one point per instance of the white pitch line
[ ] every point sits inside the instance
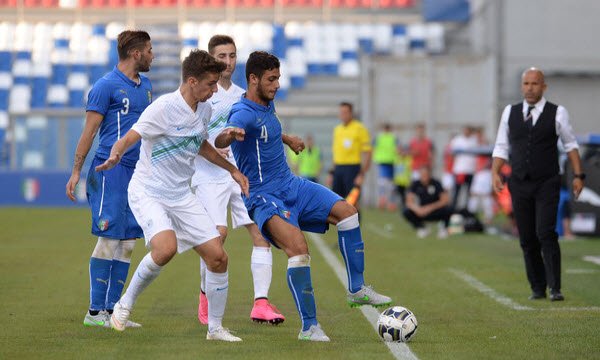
(581, 271)
(583, 308)
(399, 350)
(505, 300)
(379, 231)
(488, 291)
(592, 259)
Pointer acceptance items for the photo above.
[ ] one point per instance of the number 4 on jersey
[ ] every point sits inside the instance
(264, 135)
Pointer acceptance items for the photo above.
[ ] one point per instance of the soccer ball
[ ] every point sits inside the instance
(397, 324)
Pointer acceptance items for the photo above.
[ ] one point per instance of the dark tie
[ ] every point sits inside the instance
(529, 117)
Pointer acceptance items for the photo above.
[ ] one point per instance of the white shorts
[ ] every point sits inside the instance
(187, 217)
(216, 197)
(482, 183)
(448, 181)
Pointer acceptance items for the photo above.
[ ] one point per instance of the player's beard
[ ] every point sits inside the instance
(143, 66)
(262, 94)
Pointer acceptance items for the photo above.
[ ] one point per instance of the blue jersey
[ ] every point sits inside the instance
(121, 101)
(260, 156)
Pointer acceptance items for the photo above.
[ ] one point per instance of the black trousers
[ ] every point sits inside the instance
(535, 205)
(436, 215)
(466, 184)
(343, 178)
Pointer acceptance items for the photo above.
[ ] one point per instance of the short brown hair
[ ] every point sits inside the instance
(219, 40)
(131, 40)
(198, 63)
(259, 62)
(347, 104)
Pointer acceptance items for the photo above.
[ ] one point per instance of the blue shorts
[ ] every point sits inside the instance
(107, 195)
(386, 171)
(302, 203)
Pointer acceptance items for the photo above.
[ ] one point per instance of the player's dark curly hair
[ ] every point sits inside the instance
(219, 40)
(259, 62)
(129, 40)
(199, 63)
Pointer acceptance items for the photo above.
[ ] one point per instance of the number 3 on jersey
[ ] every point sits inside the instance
(264, 134)
(125, 109)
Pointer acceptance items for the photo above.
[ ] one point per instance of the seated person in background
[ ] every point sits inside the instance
(426, 200)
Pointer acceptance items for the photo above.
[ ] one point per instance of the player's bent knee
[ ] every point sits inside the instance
(340, 211)
(164, 247)
(217, 262)
(296, 249)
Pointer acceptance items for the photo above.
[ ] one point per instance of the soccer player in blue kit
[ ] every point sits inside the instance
(115, 103)
(282, 204)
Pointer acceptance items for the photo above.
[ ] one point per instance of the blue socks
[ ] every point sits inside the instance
(99, 279)
(353, 251)
(118, 276)
(300, 284)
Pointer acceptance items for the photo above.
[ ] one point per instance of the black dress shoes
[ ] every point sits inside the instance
(556, 295)
(537, 296)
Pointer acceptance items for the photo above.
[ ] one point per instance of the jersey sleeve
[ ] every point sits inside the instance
(364, 138)
(152, 123)
(99, 98)
(241, 119)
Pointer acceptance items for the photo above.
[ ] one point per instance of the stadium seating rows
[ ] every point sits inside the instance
(206, 3)
(46, 65)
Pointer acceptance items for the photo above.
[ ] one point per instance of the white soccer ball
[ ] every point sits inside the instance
(397, 324)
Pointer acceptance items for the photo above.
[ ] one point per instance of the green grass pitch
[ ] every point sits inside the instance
(44, 296)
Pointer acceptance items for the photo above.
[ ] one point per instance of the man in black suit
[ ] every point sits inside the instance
(529, 132)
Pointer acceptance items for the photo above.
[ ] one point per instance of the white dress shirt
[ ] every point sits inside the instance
(563, 128)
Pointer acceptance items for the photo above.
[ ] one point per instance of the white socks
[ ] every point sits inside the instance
(217, 285)
(202, 275)
(349, 223)
(261, 264)
(145, 273)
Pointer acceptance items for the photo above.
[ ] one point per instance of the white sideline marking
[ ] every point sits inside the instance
(592, 259)
(505, 300)
(379, 231)
(399, 350)
(486, 290)
(581, 271)
(583, 308)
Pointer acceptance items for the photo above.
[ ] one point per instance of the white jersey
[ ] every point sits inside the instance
(171, 137)
(221, 101)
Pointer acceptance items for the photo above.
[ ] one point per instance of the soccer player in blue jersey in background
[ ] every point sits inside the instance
(282, 204)
(115, 103)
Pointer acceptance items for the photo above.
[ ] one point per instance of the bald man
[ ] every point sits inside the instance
(527, 137)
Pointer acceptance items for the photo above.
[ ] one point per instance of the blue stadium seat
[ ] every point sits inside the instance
(4, 151)
(399, 40)
(5, 60)
(416, 37)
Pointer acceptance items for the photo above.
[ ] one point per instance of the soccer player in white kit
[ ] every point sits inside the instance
(216, 190)
(173, 130)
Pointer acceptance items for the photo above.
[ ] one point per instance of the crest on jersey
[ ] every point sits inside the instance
(102, 224)
(286, 213)
(123, 91)
(149, 96)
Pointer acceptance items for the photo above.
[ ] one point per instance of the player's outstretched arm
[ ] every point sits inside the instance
(211, 154)
(229, 135)
(293, 142)
(118, 149)
(92, 123)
